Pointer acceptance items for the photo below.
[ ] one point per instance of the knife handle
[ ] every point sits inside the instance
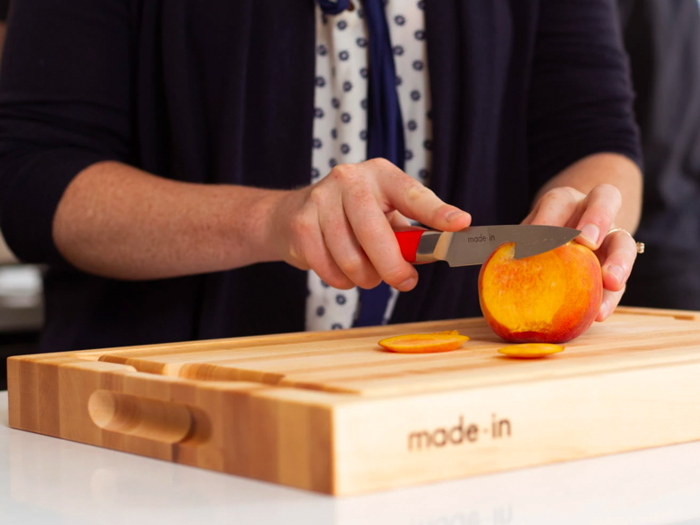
(417, 245)
(408, 242)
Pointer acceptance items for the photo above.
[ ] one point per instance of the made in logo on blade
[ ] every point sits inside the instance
(477, 243)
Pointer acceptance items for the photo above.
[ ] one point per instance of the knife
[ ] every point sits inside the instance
(474, 245)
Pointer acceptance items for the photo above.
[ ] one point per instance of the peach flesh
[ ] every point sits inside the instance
(549, 298)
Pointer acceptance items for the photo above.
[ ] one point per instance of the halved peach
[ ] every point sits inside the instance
(548, 298)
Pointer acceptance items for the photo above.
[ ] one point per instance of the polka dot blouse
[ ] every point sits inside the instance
(340, 120)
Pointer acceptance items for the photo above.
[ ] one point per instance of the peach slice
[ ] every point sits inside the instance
(424, 343)
(552, 297)
(531, 350)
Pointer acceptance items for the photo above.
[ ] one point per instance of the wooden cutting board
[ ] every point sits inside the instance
(332, 412)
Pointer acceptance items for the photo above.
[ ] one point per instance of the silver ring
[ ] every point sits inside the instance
(639, 245)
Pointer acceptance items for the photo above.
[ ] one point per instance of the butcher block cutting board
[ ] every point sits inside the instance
(331, 412)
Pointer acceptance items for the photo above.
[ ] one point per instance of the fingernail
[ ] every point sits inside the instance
(591, 232)
(617, 271)
(604, 310)
(408, 284)
(454, 215)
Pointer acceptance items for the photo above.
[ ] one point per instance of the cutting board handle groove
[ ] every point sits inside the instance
(151, 419)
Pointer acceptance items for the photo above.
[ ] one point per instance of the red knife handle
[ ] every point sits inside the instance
(408, 242)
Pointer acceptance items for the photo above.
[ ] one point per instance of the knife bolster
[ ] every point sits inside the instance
(442, 246)
(427, 246)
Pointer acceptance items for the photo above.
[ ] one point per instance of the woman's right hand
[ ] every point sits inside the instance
(343, 226)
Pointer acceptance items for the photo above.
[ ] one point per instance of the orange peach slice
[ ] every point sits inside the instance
(424, 343)
(531, 350)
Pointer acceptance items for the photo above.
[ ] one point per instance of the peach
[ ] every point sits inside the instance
(549, 298)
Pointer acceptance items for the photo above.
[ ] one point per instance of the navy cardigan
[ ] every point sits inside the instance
(663, 41)
(221, 91)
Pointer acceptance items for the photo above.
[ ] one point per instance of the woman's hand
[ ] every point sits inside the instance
(343, 226)
(594, 214)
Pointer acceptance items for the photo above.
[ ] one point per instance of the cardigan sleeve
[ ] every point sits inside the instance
(4, 8)
(580, 95)
(65, 100)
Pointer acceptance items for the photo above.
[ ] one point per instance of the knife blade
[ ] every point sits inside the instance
(475, 244)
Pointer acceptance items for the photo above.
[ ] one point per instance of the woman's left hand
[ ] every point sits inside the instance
(594, 214)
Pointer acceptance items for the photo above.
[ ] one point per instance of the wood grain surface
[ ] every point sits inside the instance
(332, 412)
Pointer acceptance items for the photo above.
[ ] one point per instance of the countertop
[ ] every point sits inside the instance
(49, 481)
(6, 256)
(21, 301)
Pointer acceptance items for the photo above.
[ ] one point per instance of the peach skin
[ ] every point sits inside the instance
(549, 298)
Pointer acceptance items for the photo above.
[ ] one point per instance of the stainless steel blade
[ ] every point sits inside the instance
(474, 245)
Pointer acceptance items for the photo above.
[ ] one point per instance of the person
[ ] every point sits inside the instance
(158, 155)
(4, 8)
(5, 254)
(663, 41)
